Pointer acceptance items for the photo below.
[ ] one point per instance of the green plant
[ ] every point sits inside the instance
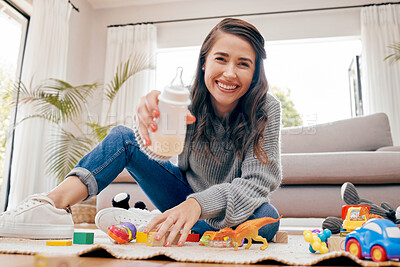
(63, 104)
(395, 56)
(290, 116)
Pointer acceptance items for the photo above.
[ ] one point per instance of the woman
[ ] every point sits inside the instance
(231, 160)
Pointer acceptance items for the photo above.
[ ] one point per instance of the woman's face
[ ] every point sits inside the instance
(228, 71)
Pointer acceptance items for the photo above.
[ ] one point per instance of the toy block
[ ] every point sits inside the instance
(83, 238)
(42, 260)
(193, 238)
(344, 233)
(152, 242)
(336, 243)
(141, 237)
(59, 243)
(281, 237)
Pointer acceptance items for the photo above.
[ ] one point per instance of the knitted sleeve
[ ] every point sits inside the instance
(229, 204)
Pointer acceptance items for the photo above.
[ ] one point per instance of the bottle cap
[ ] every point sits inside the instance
(176, 93)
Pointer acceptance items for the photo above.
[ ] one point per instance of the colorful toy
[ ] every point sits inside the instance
(248, 230)
(378, 239)
(317, 240)
(369, 216)
(83, 238)
(122, 233)
(353, 219)
(208, 239)
(151, 239)
(350, 197)
(59, 243)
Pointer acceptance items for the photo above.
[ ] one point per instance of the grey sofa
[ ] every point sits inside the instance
(316, 161)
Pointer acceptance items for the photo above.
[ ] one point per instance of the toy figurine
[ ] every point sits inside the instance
(248, 230)
(123, 233)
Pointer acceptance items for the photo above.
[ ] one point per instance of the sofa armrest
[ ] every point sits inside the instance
(389, 148)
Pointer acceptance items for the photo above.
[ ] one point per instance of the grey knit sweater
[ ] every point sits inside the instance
(230, 191)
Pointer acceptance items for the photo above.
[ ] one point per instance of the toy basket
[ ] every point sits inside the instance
(84, 212)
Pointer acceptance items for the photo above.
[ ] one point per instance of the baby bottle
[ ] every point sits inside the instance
(169, 139)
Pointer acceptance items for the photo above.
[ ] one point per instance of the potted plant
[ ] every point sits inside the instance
(63, 104)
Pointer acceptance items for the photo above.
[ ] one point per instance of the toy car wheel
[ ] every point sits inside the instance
(354, 247)
(378, 253)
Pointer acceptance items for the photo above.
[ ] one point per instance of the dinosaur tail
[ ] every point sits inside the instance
(265, 220)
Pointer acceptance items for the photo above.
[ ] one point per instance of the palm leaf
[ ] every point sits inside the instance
(126, 70)
(99, 132)
(56, 100)
(64, 152)
(395, 56)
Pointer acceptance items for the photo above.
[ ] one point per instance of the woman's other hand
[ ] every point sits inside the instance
(183, 216)
(146, 113)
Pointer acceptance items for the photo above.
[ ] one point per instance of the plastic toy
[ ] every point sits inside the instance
(353, 219)
(350, 196)
(83, 238)
(122, 233)
(317, 240)
(248, 230)
(208, 239)
(59, 243)
(378, 239)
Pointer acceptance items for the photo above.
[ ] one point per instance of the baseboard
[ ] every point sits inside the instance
(298, 225)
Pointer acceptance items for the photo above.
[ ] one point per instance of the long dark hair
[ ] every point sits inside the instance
(249, 118)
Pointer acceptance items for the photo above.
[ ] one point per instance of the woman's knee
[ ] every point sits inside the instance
(123, 132)
(267, 210)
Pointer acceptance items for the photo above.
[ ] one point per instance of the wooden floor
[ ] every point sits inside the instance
(10, 260)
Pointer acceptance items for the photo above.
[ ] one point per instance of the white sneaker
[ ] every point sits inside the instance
(37, 218)
(114, 216)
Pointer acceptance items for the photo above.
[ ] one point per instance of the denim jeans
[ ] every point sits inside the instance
(164, 183)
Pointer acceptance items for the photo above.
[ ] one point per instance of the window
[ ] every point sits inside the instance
(13, 28)
(316, 72)
(169, 59)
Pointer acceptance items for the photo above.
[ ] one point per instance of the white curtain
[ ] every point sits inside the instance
(380, 28)
(45, 57)
(122, 44)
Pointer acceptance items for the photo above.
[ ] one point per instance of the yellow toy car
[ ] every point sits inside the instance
(353, 220)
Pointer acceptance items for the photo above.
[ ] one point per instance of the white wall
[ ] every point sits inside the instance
(89, 27)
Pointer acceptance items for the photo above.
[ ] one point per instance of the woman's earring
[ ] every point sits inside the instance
(202, 68)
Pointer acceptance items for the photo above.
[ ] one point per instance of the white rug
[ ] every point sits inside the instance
(294, 253)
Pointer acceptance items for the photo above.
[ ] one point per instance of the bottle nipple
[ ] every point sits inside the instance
(177, 82)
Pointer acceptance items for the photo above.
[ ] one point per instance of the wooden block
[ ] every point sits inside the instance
(59, 243)
(42, 260)
(281, 237)
(336, 243)
(83, 238)
(152, 242)
(193, 238)
(141, 237)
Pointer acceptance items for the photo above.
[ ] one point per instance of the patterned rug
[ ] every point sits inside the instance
(295, 252)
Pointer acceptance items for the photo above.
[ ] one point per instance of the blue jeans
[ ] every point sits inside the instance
(164, 183)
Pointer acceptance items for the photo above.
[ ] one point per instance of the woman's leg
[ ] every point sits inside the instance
(161, 181)
(266, 210)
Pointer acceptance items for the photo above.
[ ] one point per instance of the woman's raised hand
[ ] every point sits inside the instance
(181, 217)
(148, 111)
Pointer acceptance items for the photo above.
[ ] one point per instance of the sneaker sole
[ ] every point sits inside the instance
(35, 231)
(136, 218)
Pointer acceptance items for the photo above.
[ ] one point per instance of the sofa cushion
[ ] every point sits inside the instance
(341, 167)
(366, 133)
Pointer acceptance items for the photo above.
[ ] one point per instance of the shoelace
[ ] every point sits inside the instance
(27, 203)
